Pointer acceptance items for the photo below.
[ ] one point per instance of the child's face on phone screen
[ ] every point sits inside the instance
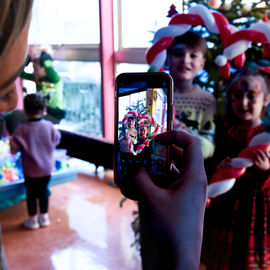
(143, 132)
(248, 99)
(131, 122)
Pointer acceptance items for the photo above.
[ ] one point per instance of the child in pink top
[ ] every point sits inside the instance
(36, 140)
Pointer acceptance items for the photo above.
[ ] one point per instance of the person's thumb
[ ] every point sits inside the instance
(145, 184)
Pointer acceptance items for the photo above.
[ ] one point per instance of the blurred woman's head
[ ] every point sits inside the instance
(14, 26)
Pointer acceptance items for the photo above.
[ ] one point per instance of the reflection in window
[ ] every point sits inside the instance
(82, 96)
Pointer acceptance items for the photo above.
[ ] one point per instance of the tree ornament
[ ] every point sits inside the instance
(265, 17)
(226, 6)
(215, 4)
(172, 11)
(247, 7)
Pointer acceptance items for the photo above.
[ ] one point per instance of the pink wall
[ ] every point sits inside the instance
(107, 61)
(20, 94)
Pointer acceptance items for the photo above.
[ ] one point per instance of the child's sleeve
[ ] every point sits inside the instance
(208, 146)
(266, 180)
(208, 128)
(51, 74)
(27, 76)
(56, 136)
(14, 145)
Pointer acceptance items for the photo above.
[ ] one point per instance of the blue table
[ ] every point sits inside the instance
(13, 193)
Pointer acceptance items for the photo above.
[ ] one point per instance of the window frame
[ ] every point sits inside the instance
(109, 53)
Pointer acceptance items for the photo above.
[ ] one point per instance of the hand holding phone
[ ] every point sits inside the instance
(143, 110)
(175, 215)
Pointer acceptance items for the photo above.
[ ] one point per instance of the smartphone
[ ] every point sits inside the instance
(143, 109)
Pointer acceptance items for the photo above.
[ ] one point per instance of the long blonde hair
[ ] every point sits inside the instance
(13, 18)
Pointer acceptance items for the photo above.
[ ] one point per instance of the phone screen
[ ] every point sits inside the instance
(143, 110)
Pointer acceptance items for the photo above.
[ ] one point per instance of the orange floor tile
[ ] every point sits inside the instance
(88, 230)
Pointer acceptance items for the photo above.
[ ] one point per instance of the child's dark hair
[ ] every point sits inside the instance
(34, 104)
(192, 40)
(244, 72)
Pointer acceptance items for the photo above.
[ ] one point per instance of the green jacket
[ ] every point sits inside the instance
(50, 85)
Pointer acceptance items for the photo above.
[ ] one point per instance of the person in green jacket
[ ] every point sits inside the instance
(48, 83)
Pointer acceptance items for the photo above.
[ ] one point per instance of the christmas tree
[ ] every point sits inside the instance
(241, 14)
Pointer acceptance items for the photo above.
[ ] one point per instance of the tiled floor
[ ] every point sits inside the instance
(89, 231)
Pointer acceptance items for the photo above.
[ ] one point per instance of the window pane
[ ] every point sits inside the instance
(141, 18)
(65, 22)
(82, 96)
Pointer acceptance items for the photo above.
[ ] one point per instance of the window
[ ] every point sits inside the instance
(65, 22)
(140, 19)
(73, 30)
(135, 25)
(82, 96)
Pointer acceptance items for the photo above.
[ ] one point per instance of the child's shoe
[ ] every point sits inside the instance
(31, 223)
(44, 220)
